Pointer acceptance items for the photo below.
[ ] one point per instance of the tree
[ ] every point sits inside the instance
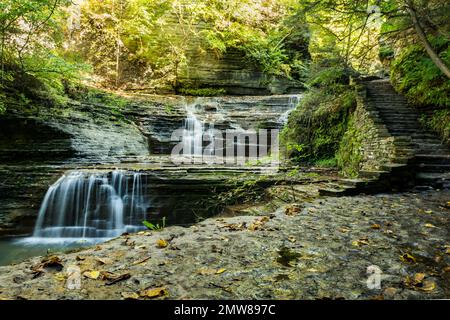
(423, 38)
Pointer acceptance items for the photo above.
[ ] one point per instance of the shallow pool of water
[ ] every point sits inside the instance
(15, 250)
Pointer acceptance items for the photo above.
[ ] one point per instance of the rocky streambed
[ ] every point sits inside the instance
(311, 248)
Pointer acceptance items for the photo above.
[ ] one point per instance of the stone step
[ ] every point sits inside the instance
(401, 121)
(435, 179)
(443, 159)
(433, 168)
(390, 105)
(395, 128)
(431, 146)
(387, 114)
(425, 138)
(387, 100)
(373, 174)
(392, 110)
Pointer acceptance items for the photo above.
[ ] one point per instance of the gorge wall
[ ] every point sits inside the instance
(38, 146)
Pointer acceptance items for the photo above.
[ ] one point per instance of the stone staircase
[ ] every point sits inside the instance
(430, 156)
(421, 159)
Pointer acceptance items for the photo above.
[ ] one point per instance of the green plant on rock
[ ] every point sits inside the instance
(155, 227)
(439, 122)
(203, 92)
(348, 156)
(320, 120)
(414, 74)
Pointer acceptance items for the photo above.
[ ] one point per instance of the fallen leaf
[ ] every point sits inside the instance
(140, 261)
(390, 291)
(113, 278)
(292, 239)
(258, 224)
(418, 283)
(154, 292)
(427, 286)
(418, 277)
(406, 257)
(130, 295)
(235, 226)
(292, 210)
(221, 271)
(376, 226)
(104, 260)
(205, 271)
(161, 243)
(361, 242)
(429, 225)
(94, 274)
(52, 262)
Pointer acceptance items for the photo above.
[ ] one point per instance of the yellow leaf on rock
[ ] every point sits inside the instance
(418, 277)
(428, 286)
(406, 257)
(130, 295)
(92, 274)
(221, 271)
(361, 242)
(161, 243)
(60, 276)
(154, 292)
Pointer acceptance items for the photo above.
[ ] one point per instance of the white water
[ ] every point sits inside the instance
(193, 133)
(195, 129)
(88, 207)
(293, 102)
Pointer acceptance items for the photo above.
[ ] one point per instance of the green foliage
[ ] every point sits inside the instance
(414, 74)
(319, 122)
(326, 163)
(203, 92)
(2, 106)
(438, 121)
(155, 227)
(31, 52)
(348, 157)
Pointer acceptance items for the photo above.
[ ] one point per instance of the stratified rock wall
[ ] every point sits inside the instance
(232, 72)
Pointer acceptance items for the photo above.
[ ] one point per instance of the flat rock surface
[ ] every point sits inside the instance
(315, 250)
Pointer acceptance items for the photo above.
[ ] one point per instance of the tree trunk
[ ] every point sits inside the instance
(423, 38)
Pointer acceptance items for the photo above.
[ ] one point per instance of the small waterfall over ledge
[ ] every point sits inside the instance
(92, 205)
(206, 114)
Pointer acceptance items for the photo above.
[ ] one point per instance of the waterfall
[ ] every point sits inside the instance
(292, 104)
(85, 205)
(193, 133)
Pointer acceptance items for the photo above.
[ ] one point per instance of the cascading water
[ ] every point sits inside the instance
(292, 103)
(200, 122)
(193, 133)
(86, 205)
